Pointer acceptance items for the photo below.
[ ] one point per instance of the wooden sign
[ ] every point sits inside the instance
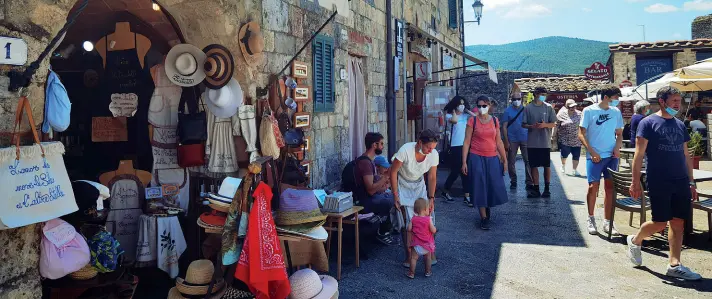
(597, 71)
(108, 129)
(13, 51)
(626, 108)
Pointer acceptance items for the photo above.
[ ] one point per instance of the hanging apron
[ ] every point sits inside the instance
(127, 193)
(127, 91)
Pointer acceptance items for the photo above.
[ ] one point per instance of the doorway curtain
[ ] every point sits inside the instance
(358, 107)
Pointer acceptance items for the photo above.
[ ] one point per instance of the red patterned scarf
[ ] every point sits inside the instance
(261, 265)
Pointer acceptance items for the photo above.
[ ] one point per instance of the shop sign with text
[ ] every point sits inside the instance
(598, 71)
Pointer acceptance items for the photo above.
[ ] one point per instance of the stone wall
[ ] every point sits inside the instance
(685, 58)
(702, 27)
(473, 87)
(624, 66)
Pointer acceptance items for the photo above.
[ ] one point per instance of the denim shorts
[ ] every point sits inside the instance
(575, 151)
(595, 170)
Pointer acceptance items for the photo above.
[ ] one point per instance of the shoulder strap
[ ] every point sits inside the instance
(515, 118)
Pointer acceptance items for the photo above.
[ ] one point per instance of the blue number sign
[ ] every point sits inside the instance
(15, 51)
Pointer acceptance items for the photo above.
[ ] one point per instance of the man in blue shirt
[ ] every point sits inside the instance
(670, 181)
(515, 139)
(601, 132)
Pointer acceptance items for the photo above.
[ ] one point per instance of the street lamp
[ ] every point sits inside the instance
(477, 6)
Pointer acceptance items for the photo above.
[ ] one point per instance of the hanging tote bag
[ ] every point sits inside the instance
(57, 105)
(268, 142)
(36, 187)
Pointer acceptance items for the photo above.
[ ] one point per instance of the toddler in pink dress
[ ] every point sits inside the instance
(423, 241)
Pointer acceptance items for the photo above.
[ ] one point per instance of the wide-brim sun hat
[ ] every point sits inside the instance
(318, 233)
(224, 102)
(307, 284)
(184, 65)
(219, 66)
(174, 293)
(251, 43)
(197, 279)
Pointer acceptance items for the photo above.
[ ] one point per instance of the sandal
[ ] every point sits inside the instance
(406, 265)
(410, 275)
(428, 274)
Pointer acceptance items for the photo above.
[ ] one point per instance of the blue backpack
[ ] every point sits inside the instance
(57, 105)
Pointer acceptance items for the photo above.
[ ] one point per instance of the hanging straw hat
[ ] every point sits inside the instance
(219, 66)
(184, 65)
(251, 43)
(307, 284)
(197, 280)
(85, 273)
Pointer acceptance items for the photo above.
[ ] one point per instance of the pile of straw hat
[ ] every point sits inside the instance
(197, 281)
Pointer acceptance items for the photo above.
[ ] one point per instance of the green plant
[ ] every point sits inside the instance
(695, 145)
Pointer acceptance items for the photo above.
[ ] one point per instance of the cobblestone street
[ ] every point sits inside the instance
(537, 248)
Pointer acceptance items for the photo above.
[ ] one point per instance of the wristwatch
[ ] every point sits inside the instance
(693, 184)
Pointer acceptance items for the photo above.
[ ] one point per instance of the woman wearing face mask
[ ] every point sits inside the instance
(458, 113)
(642, 109)
(410, 164)
(483, 144)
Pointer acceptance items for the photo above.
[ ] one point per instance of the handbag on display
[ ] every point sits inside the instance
(36, 187)
(192, 126)
(268, 142)
(190, 155)
(275, 129)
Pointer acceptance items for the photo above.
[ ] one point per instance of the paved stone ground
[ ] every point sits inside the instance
(537, 248)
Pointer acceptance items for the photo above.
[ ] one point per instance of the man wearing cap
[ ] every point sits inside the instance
(539, 118)
(515, 139)
(371, 186)
(601, 132)
(670, 182)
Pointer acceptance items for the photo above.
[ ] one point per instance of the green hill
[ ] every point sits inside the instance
(555, 54)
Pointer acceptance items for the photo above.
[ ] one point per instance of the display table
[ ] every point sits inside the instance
(338, 218)
(286, 239)
(68, 288)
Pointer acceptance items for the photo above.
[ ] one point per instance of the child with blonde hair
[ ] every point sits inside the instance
(423, 240)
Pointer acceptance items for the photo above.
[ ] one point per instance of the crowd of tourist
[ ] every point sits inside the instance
(482, 149)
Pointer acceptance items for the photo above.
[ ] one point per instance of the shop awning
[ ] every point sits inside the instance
(453, 49)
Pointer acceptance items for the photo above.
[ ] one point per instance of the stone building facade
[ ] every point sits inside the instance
(702, 27)
(286, 26)
(630, 61)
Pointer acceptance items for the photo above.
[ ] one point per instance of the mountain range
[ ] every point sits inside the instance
(555, 54)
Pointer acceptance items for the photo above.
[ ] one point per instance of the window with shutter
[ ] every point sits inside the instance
(323, 70)
(452, 16)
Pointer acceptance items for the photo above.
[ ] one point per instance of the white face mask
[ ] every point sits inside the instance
(461, 108)
(517, 103)
(483, 111)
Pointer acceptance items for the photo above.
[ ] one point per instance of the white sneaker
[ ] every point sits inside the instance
(606, 223)
(577, 173)
(591, 223)
(563, 170)
(634, 253)
(682, 272)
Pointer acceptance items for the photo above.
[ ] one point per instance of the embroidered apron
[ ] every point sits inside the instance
(127, 193)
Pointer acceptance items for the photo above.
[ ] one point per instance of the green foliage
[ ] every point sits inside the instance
(558, 55)
(695, 145)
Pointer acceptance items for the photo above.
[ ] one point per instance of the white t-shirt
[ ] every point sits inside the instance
(457, 137)
(413, 170)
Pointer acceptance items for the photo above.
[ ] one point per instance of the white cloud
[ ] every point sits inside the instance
(586, 9)
(661, 8)
(697, 5)
(528, 11)
(677, 35)
(500, 3)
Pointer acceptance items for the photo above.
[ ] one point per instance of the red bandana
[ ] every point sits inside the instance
(261, 265)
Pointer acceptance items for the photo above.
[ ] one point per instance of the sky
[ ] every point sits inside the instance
(507, 21)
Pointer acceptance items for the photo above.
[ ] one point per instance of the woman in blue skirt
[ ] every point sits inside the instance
(487, 158)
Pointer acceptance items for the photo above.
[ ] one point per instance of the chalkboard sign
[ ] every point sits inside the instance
(626, 108)
(109, 129)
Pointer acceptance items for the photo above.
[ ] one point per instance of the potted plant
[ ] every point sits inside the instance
(696, 148)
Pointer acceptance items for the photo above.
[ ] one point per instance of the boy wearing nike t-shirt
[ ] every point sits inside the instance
(601, 132)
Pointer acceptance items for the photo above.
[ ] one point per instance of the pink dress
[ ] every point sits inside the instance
(421, 233)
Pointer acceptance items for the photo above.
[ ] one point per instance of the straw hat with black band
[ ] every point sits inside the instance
(184, 65)
(251, 43)
(198, 279)
(219, 66)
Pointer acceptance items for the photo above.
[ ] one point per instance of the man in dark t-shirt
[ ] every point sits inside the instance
(370, 186)
(671, 186)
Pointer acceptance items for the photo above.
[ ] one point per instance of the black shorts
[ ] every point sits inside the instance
(670, 199)
(539, 157)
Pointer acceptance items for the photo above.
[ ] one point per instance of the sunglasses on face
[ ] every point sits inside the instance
(482, 106)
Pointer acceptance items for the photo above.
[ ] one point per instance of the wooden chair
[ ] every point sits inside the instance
(621, 185)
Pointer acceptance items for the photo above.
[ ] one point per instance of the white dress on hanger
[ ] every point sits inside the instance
(220, 146)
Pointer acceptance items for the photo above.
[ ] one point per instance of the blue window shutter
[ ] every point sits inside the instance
(452, 16)
(323, 70)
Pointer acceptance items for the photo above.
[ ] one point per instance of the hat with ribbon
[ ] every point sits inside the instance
(226, 193)
(223, 102)
(198, 279)
(307, 284)
(299, 214)
(219, 66)
(184, 65)
(251, 43)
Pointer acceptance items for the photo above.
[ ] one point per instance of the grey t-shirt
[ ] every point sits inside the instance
(539, 138)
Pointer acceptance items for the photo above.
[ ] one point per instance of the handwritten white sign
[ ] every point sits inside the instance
(123, 104)
(13, 51)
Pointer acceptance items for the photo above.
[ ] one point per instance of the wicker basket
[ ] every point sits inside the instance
(85, 273)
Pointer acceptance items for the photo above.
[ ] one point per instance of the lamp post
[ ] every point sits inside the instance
(477, 7)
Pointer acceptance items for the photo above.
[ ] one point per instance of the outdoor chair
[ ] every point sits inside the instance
(621, 185)
(705, 205)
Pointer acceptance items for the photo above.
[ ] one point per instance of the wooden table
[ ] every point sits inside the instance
(339, 219)
(286, 238)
